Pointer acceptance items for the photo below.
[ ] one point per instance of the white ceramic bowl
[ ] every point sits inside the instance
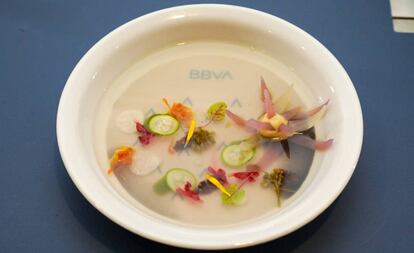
(287, 43)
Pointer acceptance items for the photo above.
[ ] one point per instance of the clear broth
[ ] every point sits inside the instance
(200, 74)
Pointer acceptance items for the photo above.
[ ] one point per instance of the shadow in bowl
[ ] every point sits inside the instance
(118, 239)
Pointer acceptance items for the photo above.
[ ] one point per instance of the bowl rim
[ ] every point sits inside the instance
(194, 244)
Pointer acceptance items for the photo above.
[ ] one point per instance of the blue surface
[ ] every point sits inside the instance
(42, 211)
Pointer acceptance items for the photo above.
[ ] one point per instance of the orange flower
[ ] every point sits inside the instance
(179, 111)
(123, 157)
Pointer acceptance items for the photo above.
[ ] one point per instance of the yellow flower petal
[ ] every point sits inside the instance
(190, 132)
(217, 184)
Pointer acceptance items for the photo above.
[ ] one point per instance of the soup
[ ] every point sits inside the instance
(208, 133)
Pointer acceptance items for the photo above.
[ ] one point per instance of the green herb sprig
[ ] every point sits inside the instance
(274, 179)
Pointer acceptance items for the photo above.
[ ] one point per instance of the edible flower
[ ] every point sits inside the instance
(246, 175)
(189, 193)
(122, 157)
(279, 124)
(275, 179)
(219, 174)
(190, 132)
(217, 111)
(201, 140)
(217, 184)
(145, 136)
(205, 186)
(179, 111)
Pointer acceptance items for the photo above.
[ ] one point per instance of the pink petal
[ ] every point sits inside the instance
(309, 113)
(258, 125)
(308, 142)
(270, 155)
(263, 87)
(285, 130)
(270, 112)
(238, 120)
(317, 109)
(292, 113)
(187, 192)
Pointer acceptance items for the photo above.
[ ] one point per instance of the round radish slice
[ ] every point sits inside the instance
(127, 119)
(145, 163)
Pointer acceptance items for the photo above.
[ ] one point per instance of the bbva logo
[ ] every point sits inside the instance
(204, 74)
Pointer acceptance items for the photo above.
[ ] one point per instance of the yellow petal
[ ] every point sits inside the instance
(190, 132)
(217, 184)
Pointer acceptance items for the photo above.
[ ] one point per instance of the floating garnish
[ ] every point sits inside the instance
(310, 143)
(174, 179)
(217, 111)
(201, 140)
(276, 127)
(205, 186)
(283, 102)
(280, 124)
(217, 184)
(272, 151)
(179, 111)
(122, 157)
(292, 113)
(145, 136)
(250, 176)
(190, 132)
(127, 119)
(237, 119)
(219, 174)
(239, 153)
(309, 113)
(237, 196)
(274, 179)
(146, 162)
(162, 124)
(188, 192)
(270, 111)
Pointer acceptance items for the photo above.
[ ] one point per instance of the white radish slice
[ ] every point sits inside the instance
(145, 163)
(126, 121)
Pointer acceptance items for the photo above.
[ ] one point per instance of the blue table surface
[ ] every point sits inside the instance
(41, 209)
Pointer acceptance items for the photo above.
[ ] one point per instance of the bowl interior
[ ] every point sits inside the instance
(323, 78)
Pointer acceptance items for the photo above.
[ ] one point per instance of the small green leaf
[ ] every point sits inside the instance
(217, 111)
(237, 195)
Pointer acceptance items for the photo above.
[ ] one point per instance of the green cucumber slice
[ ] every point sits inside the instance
(238, 196)
(237, 154)
(177, 177)
(161, 186)
(162, 124)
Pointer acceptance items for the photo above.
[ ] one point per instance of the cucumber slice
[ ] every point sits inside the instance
(162, 124)
(238, 154)
(176, 178)
(161, 186)
(238, 196)
(173, 179)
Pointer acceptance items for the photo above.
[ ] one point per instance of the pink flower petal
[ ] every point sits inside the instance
(270, 155)
(292, 113)
(238, 120)
(258, 125)
(309, 113)
(270, 112)
(263, 87)
(308, 142)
